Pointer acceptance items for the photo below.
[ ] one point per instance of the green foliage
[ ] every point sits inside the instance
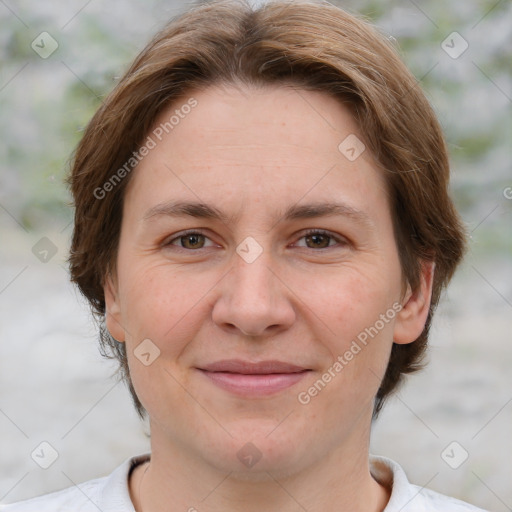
(47, 103)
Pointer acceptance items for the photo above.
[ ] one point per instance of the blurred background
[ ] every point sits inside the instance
(449, 426)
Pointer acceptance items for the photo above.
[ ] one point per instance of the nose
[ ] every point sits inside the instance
(253, 299)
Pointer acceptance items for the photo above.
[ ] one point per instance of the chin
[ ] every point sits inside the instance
(258, 454)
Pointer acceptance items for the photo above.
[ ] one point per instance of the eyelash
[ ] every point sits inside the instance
(309, 232)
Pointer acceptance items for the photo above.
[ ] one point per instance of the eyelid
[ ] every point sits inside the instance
(311, 231)
(176, 236)
(319, 231)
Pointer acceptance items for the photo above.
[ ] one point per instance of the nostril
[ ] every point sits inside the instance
(254, 334)
(247, 333)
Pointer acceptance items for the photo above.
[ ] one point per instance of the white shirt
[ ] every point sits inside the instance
(111, 493)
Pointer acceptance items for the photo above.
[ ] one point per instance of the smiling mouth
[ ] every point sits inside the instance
(245, 378)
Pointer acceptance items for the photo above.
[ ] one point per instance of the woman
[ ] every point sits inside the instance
(255, 225)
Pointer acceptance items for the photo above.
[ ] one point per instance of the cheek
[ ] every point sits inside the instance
(158, 302)
(160, 308)
(352, 300)
(167, 307)
(357, 317)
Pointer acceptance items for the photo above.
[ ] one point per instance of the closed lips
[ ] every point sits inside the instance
(249, 368)
(249, 379)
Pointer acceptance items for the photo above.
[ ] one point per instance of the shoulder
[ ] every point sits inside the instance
(407, 497)
(79, 499)
(108, 494)
(435, 501)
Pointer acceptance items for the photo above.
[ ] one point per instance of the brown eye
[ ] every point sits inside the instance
(321, 239)
(192, 241)
(318, 241)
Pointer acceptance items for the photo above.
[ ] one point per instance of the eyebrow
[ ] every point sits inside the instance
(294, 212)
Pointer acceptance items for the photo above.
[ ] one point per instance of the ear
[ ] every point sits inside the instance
(411, 319)
(113, 309)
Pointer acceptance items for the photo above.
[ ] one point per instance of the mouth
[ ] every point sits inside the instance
(245, 378)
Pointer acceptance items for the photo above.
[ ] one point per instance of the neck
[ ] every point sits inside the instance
(339, 481)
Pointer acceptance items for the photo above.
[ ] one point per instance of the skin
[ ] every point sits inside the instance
(252, 153)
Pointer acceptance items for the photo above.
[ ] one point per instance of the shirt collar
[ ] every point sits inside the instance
(115, 495)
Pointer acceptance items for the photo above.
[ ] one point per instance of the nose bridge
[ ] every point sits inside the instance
(252, 299)
(253, 279)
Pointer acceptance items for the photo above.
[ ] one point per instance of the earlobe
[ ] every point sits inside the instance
(113, 310)
(411, 320)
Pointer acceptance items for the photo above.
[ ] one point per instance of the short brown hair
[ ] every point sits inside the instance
(310, 45)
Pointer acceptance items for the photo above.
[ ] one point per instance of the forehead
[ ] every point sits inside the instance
(268, 145)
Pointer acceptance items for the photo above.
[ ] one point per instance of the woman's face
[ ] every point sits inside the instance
(258, 285)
